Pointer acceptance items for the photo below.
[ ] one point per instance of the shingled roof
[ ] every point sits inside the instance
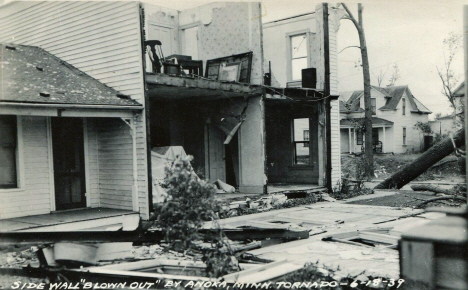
(393, 95)
(29, 74)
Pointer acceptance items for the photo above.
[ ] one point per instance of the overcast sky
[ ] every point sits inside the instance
(407, 33)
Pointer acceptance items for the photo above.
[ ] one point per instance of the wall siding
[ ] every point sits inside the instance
(115, 163)
(34, 196)
(101, 39)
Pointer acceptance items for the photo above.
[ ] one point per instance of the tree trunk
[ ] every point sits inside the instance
(369, 146)
(425, 161)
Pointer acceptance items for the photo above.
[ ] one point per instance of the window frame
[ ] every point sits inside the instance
(374, 106)
(289, 37)
(359, 138)
(403, 106)
(294, 144)
(404, 136)
(306, 137)
(19, 159)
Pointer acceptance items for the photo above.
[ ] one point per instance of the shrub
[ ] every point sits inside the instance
(190, 202)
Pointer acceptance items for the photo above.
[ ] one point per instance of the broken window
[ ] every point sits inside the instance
(8, 170)
(300, 142)
(298, 55)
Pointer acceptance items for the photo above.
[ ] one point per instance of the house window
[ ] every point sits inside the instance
(8, 152)
(359, 138)
(403, 106)
(374, 106)
(298, 55)
(404, 136)
(300, 142)
(306, 138)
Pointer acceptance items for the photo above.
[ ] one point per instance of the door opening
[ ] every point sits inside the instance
(68, 155)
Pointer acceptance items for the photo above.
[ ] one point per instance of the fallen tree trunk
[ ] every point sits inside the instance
(441, 198)
(425, 161)
(435, 189)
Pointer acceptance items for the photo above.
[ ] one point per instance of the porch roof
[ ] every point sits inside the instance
(30, 75)
(376, 122)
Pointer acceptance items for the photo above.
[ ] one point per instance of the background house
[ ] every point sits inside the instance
(451, 123)
(395, 112)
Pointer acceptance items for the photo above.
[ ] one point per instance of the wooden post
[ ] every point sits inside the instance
(384, 141)
(349, 141)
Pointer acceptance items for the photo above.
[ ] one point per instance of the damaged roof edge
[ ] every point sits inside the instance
(69, 106)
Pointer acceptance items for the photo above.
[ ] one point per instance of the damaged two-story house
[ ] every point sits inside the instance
(147, 79)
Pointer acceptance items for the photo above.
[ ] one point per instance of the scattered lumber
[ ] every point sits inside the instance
(140, 236)
(424, 162)
(427, 187)
(441, 198)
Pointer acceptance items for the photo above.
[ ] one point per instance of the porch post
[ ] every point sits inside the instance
(384, 143)
(349, 141)
(135, 167)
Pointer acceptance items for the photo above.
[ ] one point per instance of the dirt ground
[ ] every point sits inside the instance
(407, 198)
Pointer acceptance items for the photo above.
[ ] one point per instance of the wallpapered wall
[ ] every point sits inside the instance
(228, 28)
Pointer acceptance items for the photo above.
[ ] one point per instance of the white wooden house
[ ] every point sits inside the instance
(223, 124)
(395, 112)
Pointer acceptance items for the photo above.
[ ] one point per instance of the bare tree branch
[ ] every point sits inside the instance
(351, 17)
(349, 47)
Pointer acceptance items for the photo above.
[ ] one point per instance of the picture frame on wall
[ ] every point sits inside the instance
(230, 72)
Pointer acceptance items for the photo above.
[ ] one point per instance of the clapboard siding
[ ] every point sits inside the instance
(34, 196)
(335, 110)
(103, 40)
(115, 164)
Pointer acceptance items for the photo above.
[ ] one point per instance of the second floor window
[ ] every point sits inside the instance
(298, 55)
(374, 106)
(403, 106)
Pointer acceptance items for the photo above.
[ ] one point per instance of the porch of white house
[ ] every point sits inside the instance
(89, 219)
(353, 141)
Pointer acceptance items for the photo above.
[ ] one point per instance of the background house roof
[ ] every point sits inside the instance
(393, 95)
(29, 74)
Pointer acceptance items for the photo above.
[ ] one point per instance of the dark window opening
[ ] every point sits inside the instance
(8, 145)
